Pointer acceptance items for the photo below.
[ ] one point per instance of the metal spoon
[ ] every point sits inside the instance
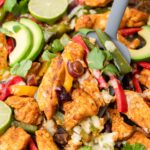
(114, 20)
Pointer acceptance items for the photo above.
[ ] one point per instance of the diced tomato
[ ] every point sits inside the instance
(129, 31)
(1, 2)
(10, 45)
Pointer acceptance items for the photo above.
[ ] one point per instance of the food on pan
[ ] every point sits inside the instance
(60, 89)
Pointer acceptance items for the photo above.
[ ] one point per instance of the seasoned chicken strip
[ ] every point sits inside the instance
(81, 107)
(139, 137)
(122, 129)
(132, 18)
(95, 3)
(144, 77)
(73, 52)
(26, 109)
(3, 52)
(46, 95)
(45, 140)
(90, 85)
(138, 110)
(14, 139)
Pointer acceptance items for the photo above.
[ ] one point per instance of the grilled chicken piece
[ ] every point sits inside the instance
(14, 139)
(122, 129)
(45, 140)
(81, 107)
(92, 21)
(73, 52)
(90, 85)
(144, 77)
(46, 95)
(138, 110)
(139, 137)
(132, 18)
(95, 3)
(26, 109)
(3, 52)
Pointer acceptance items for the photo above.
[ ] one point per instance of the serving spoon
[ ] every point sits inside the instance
(114, 20)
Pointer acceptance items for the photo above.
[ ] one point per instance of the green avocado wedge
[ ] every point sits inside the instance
(38, 38)
(23, 38)
(144, 52)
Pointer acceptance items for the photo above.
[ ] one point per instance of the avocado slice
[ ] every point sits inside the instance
(144, 52)
(23, 38)
(38, 38)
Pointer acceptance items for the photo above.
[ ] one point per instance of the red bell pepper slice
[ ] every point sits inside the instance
(129, 31)
(32, 145)
(144, 64)
(78, 39)
(120, 95)
(10, 45)
(4, 87)
(1, 2)
(136, 84)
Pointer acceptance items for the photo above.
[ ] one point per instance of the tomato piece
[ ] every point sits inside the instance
(1, 2)
(10, 45)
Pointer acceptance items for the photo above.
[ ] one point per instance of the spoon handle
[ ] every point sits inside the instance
(117, 12)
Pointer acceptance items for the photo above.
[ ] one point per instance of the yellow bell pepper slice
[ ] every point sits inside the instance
(68, 78)
(23, 90)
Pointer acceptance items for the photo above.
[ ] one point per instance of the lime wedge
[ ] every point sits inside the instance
(47, 10)
(5, 117)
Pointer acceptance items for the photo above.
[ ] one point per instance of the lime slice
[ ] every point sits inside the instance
(47, 10)
(5, 117)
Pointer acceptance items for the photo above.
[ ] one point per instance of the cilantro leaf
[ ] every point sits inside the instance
(21, 68)
(47, 56)
(9, 5)
(57, 46)
(108, 55)
(21, 7)
(86, 148)
(136, 146)
(16, 8)
(110, 69)
(96, 58)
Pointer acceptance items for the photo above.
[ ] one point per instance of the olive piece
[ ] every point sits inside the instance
(75, 69)
(62, 95)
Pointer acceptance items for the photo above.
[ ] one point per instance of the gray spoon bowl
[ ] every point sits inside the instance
(114, 20)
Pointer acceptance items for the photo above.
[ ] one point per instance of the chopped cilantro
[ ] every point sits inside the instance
(96, 59)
